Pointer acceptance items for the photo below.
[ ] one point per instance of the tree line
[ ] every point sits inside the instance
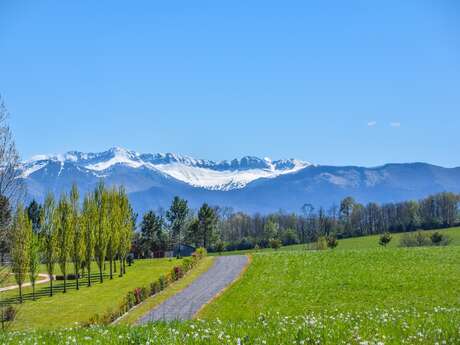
(220, 229)
(162, 231)
(67, 231)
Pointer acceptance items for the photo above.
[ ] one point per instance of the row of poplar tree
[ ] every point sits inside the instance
(67, 231)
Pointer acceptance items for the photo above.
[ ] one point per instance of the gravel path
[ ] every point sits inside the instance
(45, 279)
(186, 303)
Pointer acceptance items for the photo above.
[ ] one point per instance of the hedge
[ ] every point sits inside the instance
(140, 294)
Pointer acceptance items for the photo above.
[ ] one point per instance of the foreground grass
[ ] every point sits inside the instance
(152, 302)
(299, 282)
(64, 310)
(374, 327)
(364, 242)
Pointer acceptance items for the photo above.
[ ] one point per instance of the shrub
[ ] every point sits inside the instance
(332, 242)
(417, 239)
(220, 246)
(438, 239)
(200, 252)
(177, 272)
(275, 244)
(9, 314)
(321, 243)
(162, 282)
(154, 288)
(384, 239)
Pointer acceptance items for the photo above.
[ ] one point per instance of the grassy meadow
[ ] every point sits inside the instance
(298, 282)
(359, 293)
(65, 310)
(364, 242)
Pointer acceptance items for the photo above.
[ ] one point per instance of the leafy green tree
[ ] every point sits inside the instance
(49, 221)
(271, 229)
(207, 225)
(88, 224)
(78, 239)
(34, 259)
(65, 235)
(177, 217)
(220, 246)
(20, 248)
(346, 208)
(128, 224)
(114, 232)
(101, 198)
(289, 237)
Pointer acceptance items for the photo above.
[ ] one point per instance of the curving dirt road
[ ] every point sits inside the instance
(186, 303)
(45, 279)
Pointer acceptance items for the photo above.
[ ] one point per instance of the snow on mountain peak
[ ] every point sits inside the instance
(223, 175)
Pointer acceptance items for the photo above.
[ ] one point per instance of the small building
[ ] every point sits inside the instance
(183, 250)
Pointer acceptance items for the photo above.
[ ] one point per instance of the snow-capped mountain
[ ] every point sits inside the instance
(223, 175)
(248, 184)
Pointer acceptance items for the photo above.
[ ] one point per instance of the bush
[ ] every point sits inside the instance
(417, 239)
(384, 239)
(275, 244)
(332, 242)
(289, 237)
(200, 253)
(438, 239)
(220, 246)
(154, 288)
(140, 294)
(9, 314)
(321, 243)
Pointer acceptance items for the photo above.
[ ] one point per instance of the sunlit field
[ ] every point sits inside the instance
(67, 309)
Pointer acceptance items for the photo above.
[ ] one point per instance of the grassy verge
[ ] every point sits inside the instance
(132, 316)
(65, 310)
(376, 327)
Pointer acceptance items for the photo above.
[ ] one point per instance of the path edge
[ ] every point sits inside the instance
(135, 323)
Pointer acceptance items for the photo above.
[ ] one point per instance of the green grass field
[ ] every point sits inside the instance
(365, 242)
(64, 310)
(358, 294)
(296, 282)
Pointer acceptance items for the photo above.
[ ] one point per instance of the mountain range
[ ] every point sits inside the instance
(249, 184)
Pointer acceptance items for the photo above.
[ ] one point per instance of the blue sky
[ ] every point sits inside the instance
(331, 82)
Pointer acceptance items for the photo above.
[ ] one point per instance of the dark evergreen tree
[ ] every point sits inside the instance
(33, 211)
(177, 218)
(207, 225)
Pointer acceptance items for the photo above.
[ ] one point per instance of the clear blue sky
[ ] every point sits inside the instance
(321, 81)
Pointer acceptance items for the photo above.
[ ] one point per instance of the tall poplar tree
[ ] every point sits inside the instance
(64, 235)
(102, 227)
(126, 227)
(89, 222)
(48, 235)
(77, 248)
(114, 228)
(34, 258)
(20, 247)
